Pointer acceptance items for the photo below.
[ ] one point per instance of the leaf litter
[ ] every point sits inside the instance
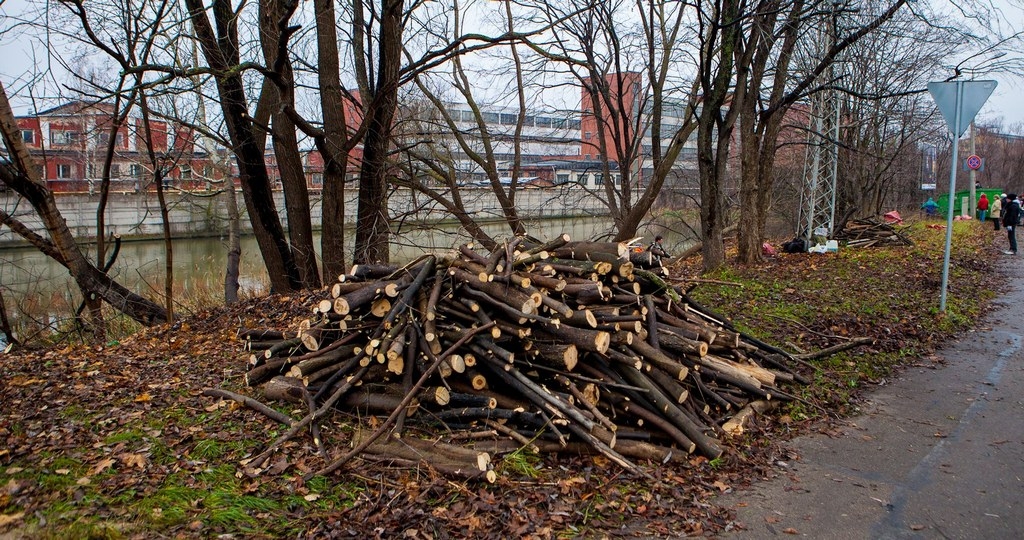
(126, 423)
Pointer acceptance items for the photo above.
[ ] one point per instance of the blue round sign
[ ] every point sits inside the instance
(973, 162)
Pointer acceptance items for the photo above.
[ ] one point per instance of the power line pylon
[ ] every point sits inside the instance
(818, 197)
(821, 165)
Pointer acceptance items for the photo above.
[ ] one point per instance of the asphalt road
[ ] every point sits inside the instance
(937, 452)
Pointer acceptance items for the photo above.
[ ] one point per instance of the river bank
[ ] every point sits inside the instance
(137, 215)
(36, 288)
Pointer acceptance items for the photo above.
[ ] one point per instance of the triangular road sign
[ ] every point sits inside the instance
(973, 94)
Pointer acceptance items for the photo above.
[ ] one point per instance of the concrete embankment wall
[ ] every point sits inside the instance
(137, 215)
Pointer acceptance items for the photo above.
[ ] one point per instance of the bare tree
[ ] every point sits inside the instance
(628, 60)
(22, 175)
(381, 99)
(886, 117)
(432, 167)
(277, 98)
(1004, 157)
(772, 88)
(333, 141)
(221, 47)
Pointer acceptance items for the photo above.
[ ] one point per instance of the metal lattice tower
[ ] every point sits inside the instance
(818, 197)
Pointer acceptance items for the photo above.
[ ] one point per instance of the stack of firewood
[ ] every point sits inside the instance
(557, 347)
(870, 232)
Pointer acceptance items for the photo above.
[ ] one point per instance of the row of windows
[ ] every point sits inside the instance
(510, 119)
(134, 170)
(64, 170)
(598, 178)
(64, 138)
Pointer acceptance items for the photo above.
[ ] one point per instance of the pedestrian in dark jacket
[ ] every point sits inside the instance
(657, 249)
(1011, 216)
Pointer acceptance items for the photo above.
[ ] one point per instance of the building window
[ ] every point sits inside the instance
(135, 170)
(562, 178)
(91, 170)
(186, 172)
(61, 138)
(598, 179)
(586, 135)
(115, 170)
(317, 179)
(28, 136)
(105, 139)
(63, 171)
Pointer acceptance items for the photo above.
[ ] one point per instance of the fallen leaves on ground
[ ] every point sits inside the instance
(91, 431)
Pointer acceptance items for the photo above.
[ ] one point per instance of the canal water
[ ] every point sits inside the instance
(34, 286)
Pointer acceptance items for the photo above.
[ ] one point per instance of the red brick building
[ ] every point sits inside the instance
(625, 85)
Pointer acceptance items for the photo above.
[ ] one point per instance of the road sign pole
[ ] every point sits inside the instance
(952, 194)
(959, 102)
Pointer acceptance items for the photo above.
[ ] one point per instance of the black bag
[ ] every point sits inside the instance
(796, 245)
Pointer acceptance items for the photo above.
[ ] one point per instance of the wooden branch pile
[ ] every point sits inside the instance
(557, 347)
(870, 232)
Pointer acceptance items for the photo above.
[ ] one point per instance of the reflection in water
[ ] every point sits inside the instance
(36, 287)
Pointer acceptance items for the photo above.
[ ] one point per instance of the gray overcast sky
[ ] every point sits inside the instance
(16, 60)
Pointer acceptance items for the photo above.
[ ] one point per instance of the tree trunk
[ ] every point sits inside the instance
(168, 245)
(231, 285)
(278, 95)
(714, 131)
(5, 324)
(334, 145)
(165, 222)
(252, 170)
(372, 229)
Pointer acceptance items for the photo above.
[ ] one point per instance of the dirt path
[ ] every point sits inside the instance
(936, 453)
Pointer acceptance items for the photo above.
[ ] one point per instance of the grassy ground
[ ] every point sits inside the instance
(117, 441)
(892, 294)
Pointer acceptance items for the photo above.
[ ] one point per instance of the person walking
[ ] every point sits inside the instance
(982, 207)
(997, 210)
(1011, 215)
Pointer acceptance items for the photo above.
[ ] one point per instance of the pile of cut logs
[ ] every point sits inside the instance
(554, 347)
(870, 232)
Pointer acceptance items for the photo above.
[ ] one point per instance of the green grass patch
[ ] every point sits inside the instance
(806, 302)
(522, 462)
(126, 436)
(85, 529)
(75, 412)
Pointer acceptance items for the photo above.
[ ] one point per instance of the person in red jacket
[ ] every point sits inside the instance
(982, 207)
